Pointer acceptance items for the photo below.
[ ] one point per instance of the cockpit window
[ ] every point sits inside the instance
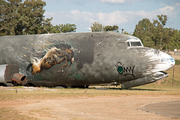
(135, 43)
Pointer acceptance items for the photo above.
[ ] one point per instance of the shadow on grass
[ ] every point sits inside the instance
(103, 88)
(133, 89)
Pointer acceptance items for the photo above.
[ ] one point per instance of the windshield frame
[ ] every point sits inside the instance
(130, 41)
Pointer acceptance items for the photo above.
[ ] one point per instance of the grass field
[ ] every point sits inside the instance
(6, 95)
(165, 86)
(23, 95)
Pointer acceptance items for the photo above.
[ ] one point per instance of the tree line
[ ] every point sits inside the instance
(153, 34)
(23, 18)
(98, 27)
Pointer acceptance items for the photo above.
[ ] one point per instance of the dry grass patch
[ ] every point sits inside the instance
(11, 114)
(9, 100)
(45, 112)
(8, 95)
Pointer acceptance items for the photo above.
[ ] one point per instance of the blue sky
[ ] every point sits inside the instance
(124, 13)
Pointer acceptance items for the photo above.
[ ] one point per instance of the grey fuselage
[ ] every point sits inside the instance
(78, 59)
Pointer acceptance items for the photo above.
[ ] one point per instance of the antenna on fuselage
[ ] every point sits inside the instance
(121, 30)
(45, 28)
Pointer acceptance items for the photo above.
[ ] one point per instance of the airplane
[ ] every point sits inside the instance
(80, 60)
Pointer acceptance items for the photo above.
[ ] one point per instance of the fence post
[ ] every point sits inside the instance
(173, 78)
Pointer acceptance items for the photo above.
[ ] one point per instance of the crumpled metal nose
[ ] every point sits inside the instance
(166, 61)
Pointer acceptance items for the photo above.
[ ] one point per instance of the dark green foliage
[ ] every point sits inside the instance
(31, 14)
(64, 28)
(144, 31)
(153, 34)
(162, 19)
(17, 18)
(46, 27)
(96, 27)
(9, 17)
(111, 28)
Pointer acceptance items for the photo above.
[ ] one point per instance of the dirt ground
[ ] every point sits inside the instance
(125, 107)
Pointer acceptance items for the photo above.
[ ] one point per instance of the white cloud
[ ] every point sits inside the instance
(85, 19)
(168, 10)
(81, 2)
(113, 1)
(165, 2)
(177, 5)
(119, 1)
(104, 1)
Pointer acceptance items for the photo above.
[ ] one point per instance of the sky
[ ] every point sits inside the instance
(123, 13)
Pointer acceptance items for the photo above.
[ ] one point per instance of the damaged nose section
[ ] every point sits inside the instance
(159, 62)
(145, 80)
(165, 63)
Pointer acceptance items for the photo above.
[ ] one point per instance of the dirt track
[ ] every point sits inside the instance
(90, 108)
(170, 109)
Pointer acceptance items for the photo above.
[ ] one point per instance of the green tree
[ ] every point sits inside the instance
(159, 31)
(31, 14)
(143, 31)
(154, 34)
(162, 19)
(108, 28)
(2, 30)
(64, 28)
(68, 28)
(173, 39)
(44, 28)
(111, 28)
(57, 29)
(9, 17)
(23, 18)
(96, 27)
(48, 27)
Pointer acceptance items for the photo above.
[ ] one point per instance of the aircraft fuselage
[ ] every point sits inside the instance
(82, 59)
